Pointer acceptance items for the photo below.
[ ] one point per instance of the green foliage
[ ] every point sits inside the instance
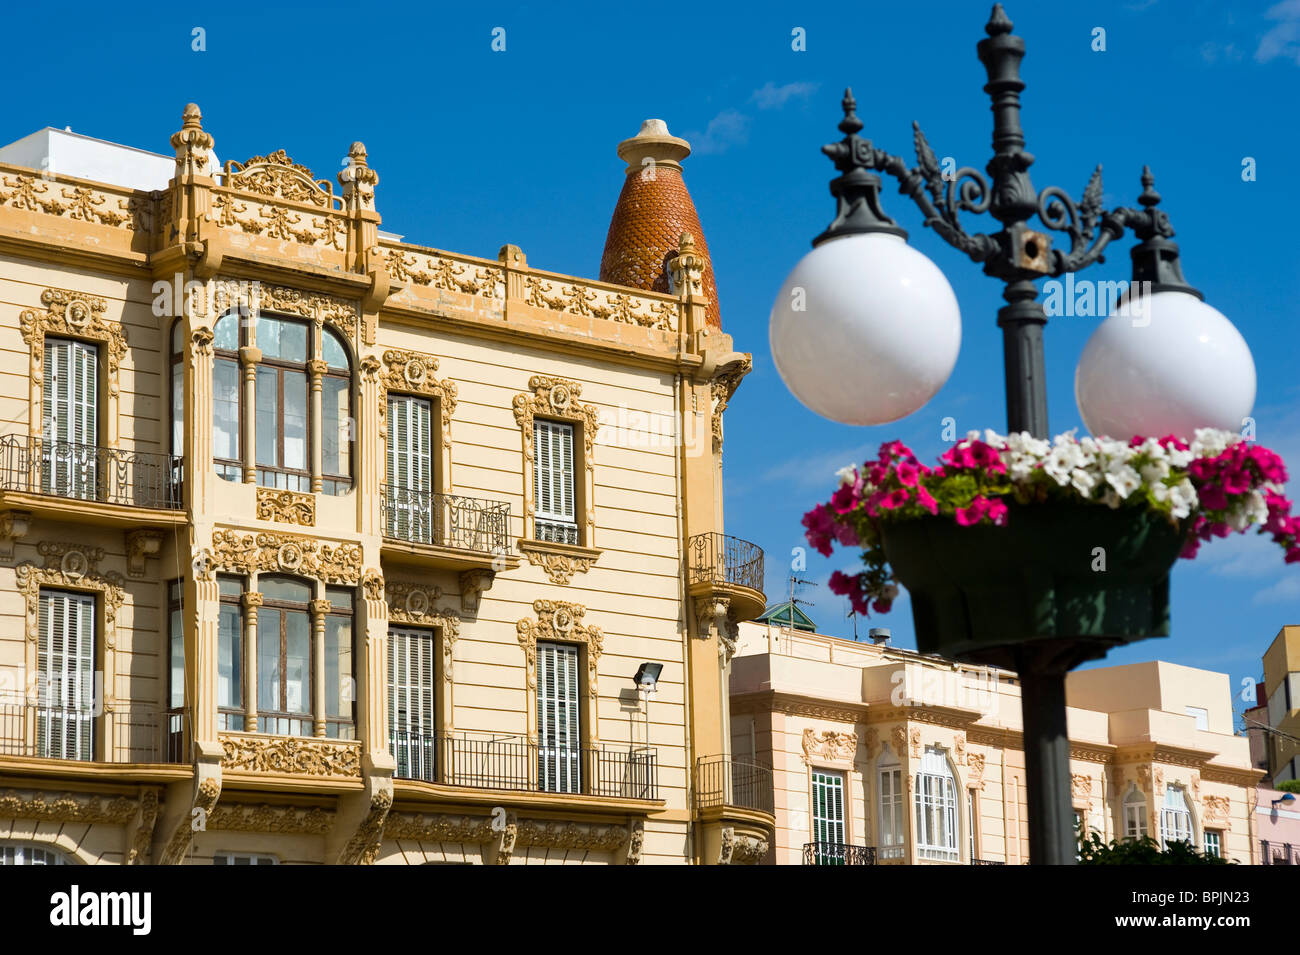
(1290, 786)
(1093, 850)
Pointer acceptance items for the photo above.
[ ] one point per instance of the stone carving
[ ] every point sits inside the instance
(441, 272)
(916, 742)
(67, 807)
(286, 507)
(245, 817)
(559, 566)
(235, 552)
(748, 850)
(593, 837)
(358, 180)
(1081, 786)
(557, 620)
(142, 838)
(1159, 776)
(205, 801)
(276, 176)
(727, 847)
(363, 847)
(472, 585)
(343, 314)
(829, 745)
(635, 842)
(74, 315)
(14, 526)
(290, 755)
(414, 604)
(1217, 809)
(438, 827)
(68, 566)
(82, 203)
(372, 584)
(141, 544)
(899, 735)
(975, 762)
(721, 390)
(1144, 777)
(411, 372)
(873, 742)
(556, 398)
(581, 299)
(959, 748)
(278, 222)
(687, 267)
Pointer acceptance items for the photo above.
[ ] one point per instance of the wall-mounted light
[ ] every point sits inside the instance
(647, 677)
(1286, 798)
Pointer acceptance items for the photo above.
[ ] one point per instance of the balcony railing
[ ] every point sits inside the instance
(445, 520)
(133, 734)
(1278, 853)
(837, 853)
(520, 766)
(717, 558)
(87, 472)
(730, 782)
(985, 862)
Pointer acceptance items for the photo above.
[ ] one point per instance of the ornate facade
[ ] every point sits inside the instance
(326, 547)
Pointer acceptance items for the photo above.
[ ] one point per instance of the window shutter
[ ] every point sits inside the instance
(553, 473)
(65, 659)
(410, 701)
(558, 726)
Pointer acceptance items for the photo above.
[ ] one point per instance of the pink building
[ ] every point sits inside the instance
(1277, 827)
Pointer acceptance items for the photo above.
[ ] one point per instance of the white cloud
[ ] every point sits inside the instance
(1285, 590)
(1283, 39)
(817, 470)
(771, 96)
(729, 128)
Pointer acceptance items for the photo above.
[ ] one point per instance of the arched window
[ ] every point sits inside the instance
(1175, 817)
(26, 853)
(1135, 813)
(936, 808)
(892, 818)
(287, 427)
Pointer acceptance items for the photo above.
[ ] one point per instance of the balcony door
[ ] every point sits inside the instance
(408, 497)
(559, 734)
(411, 722)
(65, 659)
(828, 815)
(70, 419)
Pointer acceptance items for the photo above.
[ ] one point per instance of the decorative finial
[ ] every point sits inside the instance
(1149, 197)
(686, 243)
(998, 22)
(357, 152)
(850, 124)
(192, 118)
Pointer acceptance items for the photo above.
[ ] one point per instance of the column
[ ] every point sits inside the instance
(319, 608)
(316, 368)
(251, 601)
(249, 356)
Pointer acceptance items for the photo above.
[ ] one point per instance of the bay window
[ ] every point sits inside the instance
(1175, 817)
(284, 657)
(1135, 813)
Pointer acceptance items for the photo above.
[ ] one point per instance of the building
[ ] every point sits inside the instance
(1274, 723)
(882, 755)
(1277, 827)
(320, 546)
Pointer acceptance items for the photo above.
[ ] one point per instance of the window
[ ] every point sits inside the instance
(408, 494)
(1214, 843)
(891, 812)
(1200, 714)
(22, 853)
(230, 655)
(65, 668)
(175, 670)
(1175, 817)
(936, 808)
(70, 419)
(243, 858)
(828, 813)
(553, 485)
(1135, 813)
(411, 719)
(340, 718)
(286, 428)
(284, 704)
(970, 815)
(558, 730)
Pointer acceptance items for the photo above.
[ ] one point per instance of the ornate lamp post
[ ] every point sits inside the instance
(866, 330)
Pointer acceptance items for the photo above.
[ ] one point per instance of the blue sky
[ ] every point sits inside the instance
(477, 148)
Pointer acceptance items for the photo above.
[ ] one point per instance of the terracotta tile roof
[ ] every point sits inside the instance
(653, 210)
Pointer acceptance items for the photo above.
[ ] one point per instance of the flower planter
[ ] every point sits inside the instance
(980, 593)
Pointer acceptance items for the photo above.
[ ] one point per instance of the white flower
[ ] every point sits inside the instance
(847, 474)
(1180, 459)
(1155, 472)
(1160, 491)
(1183, 498)
(1238, 519)
(1256, 507)
(1124, 480)
(1211, 442)
(1083, 482)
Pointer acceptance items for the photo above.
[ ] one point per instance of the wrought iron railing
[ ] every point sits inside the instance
(555, 532)
(890, 852)
(1278, 853)
(88, 472)
(717, 558)
(985, 862)
(731, 782)
(521, 766)
(131, 733)
(445, 520)
(837, 853)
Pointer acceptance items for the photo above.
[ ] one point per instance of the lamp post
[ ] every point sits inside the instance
(867, 330)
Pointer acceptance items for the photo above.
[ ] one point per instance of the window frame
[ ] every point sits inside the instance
(1133, 811)
(553, 518)
(564, 756)
(821, 823)
(338, 722)
(232, 718)
(303, 719)
(52, 854)
(425, 764)
(936, 793)
(891, 803)
(227, 468)
(1176, 821)
(1217, 836)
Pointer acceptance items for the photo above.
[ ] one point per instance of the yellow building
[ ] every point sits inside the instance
(883, 756)
(1280, 707)
(319, 546)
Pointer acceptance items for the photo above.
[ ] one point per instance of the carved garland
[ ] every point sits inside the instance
(579, 299)
(722, 389)
(67, 807)
(233, 552)
(343, 314)
(286, 507)
(290, 755)
(276, 176)
(557, 398)
(71, 314)
(558, 621)
(411, 372)
(829, 745)
(243, 817)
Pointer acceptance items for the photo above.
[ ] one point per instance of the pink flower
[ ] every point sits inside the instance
(1270, 466)
(842, 583)
(1293, 555)
(1237, 481)
(821, 527)
(926, 500)
(907, 474)
(845, 499)
(967, 516)
(1212, 497)
(896, 450)
(881, 605)
(846, 535)
(1190, 547)
(1169, 441)
(997, 511)
(894, 499)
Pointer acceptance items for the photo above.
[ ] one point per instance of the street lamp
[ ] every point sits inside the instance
(866, 330)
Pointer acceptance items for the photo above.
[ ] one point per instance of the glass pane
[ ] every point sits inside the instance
(297, 665)
(225, 409)
(332, 350)
(225, 334)
(338, 667)
(230, 657)
(282, 339)
(340, 598)
(284, 588)
(268, 416)
(230, 586)
(336, 448)
(178, 334)
(178, 409)
(268, 659)
(177, 653)
(295, 420)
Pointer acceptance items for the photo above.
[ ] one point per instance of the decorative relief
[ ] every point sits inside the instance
(290, 755)
(916, 742)
(414, 605)
(557, 620)
(1144, 777)
(142, 838)
(1217, 809)
(76, 315)
(205, 801)
(899, 736)
(873, 742)
(975, 778)
(233, 552)
(142, 544)
(438, 827)
(557, 398)
(829, 745)
(1080, 786)
(748, 850)
(439, 272)
(243, 817)
(593, 837)
(67, 565)
(372, 585)
(579, 299)
(727, 847)
(722, 389)
(34, 194)
(635, 842)
(559, 566)
(343, 314)
(286, 507)
(959, 748)
(472, 585)
(278, 222)
(14, 526)
(276, 176)
(67, 807)
(412, 372)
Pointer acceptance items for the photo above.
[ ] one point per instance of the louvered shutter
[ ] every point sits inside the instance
(410, 702)
(558, 726)
(65, 660)
(828, 812)
(70, 425)
(409, 470)
(553, 481)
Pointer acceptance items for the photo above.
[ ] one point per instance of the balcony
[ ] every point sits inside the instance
(115, 485)
(1278, 853)
(134, 734)
(445, 530)
(731, 782)
(512, 765)
(723, 566)
(837, 853)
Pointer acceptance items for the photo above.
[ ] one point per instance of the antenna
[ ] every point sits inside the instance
(795, 601)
